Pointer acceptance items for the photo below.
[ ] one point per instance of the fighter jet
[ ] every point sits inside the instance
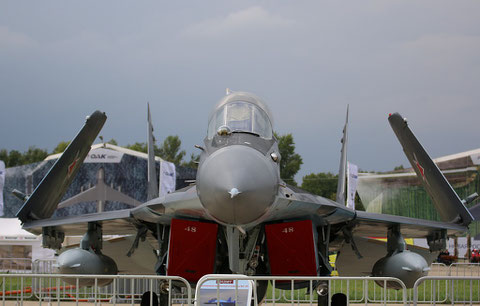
(241, 217)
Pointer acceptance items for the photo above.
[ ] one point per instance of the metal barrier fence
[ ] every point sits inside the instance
(309, 295)
(52, 288)
(125, 289)
(377, 293)
(48, 266)
(464, 269)
(15, 265)
(44, 266)
(462, 289)
(462, 285)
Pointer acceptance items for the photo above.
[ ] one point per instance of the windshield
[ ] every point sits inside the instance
(241, 116)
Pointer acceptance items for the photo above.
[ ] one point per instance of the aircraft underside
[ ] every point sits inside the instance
(193, 248)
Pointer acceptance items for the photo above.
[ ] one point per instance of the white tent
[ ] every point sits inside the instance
(12, 234)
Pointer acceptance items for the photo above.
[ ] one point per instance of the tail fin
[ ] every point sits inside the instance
(446, 201)
(152, 188)
(44, 199)
(342, 172)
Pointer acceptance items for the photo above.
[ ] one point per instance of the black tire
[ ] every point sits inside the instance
(323, 300)
(146, 299)
(339, 299)
(261, 290)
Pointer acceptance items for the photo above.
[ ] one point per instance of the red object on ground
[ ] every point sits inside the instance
(192, 249)
(291, 248)
(16, 292)
(475, 256)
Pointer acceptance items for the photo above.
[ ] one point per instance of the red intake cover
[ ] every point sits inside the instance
(192, 249)
(291, 248)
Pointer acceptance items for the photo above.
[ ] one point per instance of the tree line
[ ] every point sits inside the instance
(322, 184)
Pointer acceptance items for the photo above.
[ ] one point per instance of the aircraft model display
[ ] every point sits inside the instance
(240, 217)
(228, 302)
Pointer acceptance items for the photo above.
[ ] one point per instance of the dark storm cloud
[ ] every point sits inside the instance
(59, 61)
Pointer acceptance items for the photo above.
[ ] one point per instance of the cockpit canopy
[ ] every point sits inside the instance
(241, 112)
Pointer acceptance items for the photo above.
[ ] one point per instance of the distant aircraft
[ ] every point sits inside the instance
(241, 217)
(99, 193)
(228, 302)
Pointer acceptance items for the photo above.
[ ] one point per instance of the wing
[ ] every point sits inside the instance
(376, 225)
(37, 210)
(182, 203)
(297, 203)
(97, 193)
(446, 201)
(43, 201)
(448, 204)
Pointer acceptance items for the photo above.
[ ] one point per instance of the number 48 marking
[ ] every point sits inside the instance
(287, 230)
(192, 229)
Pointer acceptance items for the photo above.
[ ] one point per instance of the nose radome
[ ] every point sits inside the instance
(237, 184)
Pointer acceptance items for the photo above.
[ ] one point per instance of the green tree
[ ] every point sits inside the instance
(138, 146)
(325, 185)
(60, 148)
(15, 158)
(290, 161)
(113, 142)
(322, 184)
(193, 163)
(4, 156)
(34, 155)
(170, 150)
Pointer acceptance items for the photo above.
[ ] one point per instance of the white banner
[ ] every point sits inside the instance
(352, 178)
(102, 155)
(2, 183)
(225, 292)
(462, 246)
(168, 177)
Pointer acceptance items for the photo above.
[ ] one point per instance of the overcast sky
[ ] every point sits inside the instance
(61, 60)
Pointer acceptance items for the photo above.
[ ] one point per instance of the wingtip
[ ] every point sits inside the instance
(396, 117)
(97, 115)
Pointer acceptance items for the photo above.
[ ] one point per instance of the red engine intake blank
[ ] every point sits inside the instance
(291, 248)
(192, 249)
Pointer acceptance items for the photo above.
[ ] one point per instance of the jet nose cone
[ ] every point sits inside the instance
(237, 184)
(234, 192)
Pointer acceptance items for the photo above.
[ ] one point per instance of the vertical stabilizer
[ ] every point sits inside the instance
(44, 199)
(445, 199)
(342, 172)
(152, 173)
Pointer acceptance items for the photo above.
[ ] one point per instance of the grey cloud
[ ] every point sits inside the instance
(253, 20)
(12, 40)
(307, 59)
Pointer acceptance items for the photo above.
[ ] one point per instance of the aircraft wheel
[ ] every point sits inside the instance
(261, 290)
(322, 291)
(323, 300)
(145, 301)
(339, 299)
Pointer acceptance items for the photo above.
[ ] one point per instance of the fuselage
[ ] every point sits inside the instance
(238, 176)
